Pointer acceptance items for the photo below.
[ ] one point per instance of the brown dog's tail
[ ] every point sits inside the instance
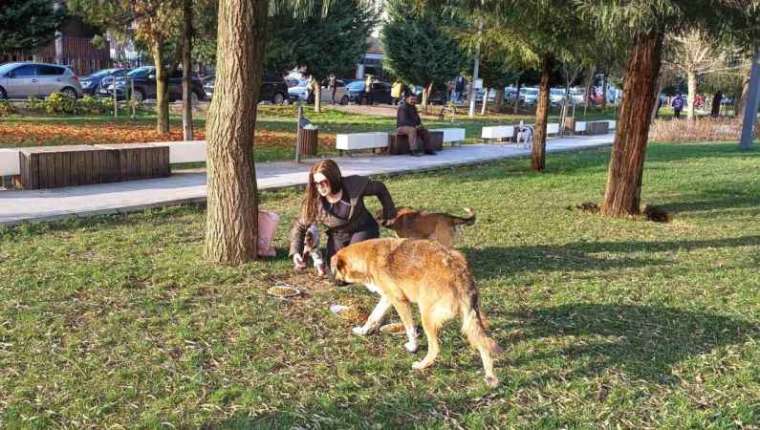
(468, 220)
(473, 326)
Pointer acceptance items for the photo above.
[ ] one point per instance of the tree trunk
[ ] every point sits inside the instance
(232, 214)
(499, 99)
(624, 177)
(538, 158)
(691, 82)
(317, 98)
(589, 83)
(517, 99)
(742, 101)
(187, 101)
(657, 91)
(604, 91)
(485, 102)
(162, 101)
(752, 103)
(426, 96)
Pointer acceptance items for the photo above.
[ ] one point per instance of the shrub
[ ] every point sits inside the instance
(6, 108)
(59, 103)
(34, 104)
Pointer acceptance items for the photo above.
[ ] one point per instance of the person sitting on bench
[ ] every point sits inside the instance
(408, 123)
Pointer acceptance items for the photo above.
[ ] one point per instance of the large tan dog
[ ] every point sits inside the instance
(413, 224)
(407, 271)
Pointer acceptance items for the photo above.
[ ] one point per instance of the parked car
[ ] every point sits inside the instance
(529, 95)
(510, 94)
(556, 96)
(23, 80)
(273, 89)
(439, 95)
(92, 82)
(300, 92)
(144, 79)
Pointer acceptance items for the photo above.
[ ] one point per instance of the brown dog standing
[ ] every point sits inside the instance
(437, 278)
(413, 224)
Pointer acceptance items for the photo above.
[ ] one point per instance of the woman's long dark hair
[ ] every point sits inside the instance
(310, 204)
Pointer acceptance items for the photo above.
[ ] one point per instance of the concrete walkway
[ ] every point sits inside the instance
(88, 200)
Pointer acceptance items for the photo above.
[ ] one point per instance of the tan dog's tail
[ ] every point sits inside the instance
(468, 220)
(472, 324)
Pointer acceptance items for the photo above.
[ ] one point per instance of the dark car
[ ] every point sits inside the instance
(379, 93)
(274, 89)
(143, 80)
(92, 83)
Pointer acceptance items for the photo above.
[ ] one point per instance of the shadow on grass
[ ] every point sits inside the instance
(492, 262)
(643, 341)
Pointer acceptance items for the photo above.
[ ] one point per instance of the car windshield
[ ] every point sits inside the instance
(101, 73)
(356, 86)
(140, 71)
(7, 67)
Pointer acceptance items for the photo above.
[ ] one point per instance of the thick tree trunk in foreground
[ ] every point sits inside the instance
(691, 84)
(623, 195)
(162, 101)
(187, 73)
(538, 157)
(231, 219)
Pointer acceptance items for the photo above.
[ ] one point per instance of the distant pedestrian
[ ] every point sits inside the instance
(459, 85)
(677, 105)
(396, 91)
(717, 99)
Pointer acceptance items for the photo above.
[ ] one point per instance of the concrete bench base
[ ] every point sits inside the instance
(359, 141)
(452, 135)
(399, 144)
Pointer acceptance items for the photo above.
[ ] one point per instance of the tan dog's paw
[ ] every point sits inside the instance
(411, 346)
(359, 331)
(420, 365)
(492, 381)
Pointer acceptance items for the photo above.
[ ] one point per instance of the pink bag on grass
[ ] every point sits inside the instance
(267, 226)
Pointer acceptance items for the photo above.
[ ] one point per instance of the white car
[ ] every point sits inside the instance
(301, 92)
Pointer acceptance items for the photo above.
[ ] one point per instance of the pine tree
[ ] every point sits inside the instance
(28, 24)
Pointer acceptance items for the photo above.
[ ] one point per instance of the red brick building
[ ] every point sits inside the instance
(73, 48)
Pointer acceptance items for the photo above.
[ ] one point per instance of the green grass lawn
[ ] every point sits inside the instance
(118, 322)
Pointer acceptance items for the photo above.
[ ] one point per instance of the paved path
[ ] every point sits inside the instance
(42, 205)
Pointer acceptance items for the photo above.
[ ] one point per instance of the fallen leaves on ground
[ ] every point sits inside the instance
(26, 134)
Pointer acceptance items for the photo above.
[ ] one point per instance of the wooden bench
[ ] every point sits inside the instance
(361, 141)
(399, 144)
(598, 127)
(62, 166)
(451, 135)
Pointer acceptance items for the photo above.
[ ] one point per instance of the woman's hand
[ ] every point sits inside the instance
(298, 262)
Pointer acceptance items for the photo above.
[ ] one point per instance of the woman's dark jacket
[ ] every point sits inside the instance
(356, 187)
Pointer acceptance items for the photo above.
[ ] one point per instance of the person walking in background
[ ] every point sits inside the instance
(396, 91)
(459, 85)
(677, 105)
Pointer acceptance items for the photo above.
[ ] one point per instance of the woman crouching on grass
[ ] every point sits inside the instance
(337, 203)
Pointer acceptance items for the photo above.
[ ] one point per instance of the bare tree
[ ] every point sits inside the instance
(693, 53)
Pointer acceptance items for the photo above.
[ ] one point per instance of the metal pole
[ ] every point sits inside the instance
(298, 133)
(132, 98)
(475, 72)
(753, 102)
(115, 100)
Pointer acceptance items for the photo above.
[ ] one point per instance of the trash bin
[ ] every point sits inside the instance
(307, 139)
